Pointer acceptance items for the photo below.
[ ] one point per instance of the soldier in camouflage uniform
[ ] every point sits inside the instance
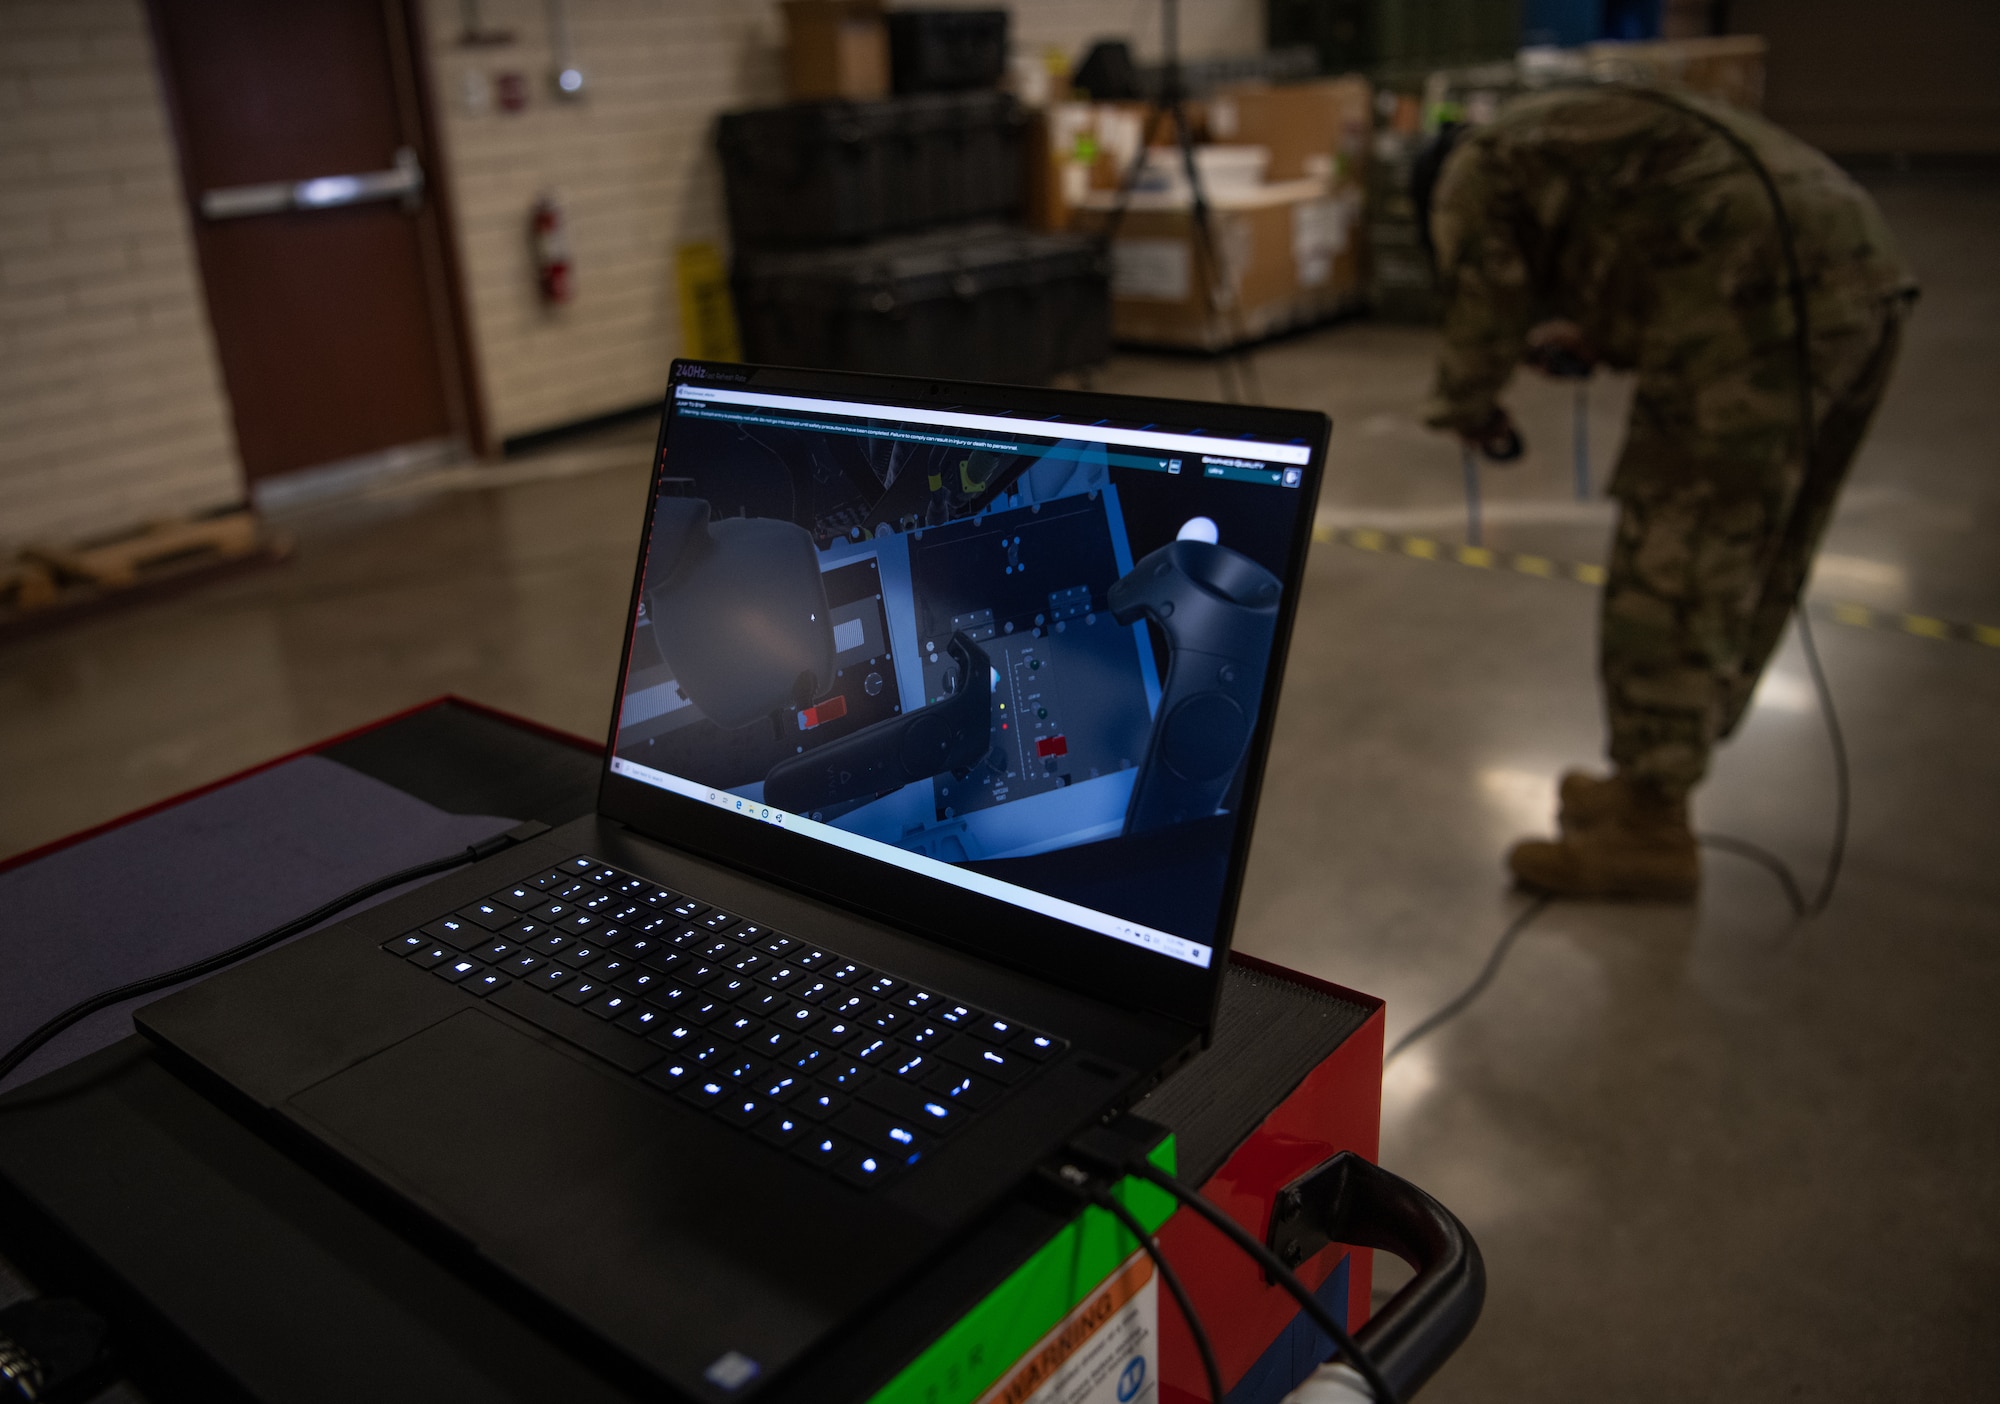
(1618, 227)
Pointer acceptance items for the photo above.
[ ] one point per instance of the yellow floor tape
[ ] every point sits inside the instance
(1585, 573)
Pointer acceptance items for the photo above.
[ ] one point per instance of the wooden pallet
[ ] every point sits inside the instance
(49, 582)
(122, 561)
(26, 585)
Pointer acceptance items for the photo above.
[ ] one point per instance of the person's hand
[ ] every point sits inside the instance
(1497, 438)
(1558, 349)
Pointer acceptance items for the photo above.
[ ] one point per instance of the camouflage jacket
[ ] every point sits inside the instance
(1645, 227)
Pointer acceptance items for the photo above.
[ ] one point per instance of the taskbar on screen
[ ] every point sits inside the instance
(1103, 923)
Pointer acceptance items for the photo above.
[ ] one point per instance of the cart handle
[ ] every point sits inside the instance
(1347, 1199)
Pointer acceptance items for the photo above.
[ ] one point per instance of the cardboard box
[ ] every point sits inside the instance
(1728, 67)
(1290, 254)
(1078, 148)
(1318, 129)
(836, 49)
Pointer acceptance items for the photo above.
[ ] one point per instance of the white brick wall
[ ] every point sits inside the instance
(111, 401)
(635, 166)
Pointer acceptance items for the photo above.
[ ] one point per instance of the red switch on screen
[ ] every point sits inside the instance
(834, 707)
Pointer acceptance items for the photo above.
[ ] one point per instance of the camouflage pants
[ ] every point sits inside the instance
(1703, 579)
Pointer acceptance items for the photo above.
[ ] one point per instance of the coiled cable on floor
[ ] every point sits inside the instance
(1457, 1004)
(1803, 910)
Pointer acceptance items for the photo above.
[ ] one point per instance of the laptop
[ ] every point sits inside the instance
(934, 749)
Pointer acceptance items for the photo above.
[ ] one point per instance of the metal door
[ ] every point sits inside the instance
(307, 165)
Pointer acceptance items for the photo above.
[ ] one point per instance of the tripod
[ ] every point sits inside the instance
(1234, 367)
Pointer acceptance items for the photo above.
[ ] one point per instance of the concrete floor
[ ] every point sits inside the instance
(1706, 1152)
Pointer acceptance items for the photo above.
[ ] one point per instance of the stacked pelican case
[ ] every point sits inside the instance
(881, 236)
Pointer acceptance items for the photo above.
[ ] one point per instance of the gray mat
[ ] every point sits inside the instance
(195, 879)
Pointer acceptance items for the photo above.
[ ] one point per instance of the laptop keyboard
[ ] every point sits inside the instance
(846, 1067)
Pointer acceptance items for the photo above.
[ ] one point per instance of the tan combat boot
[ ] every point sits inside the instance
(1589, 800)
(1619, 840)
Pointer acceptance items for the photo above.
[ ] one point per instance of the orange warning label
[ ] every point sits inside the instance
(1072, 1334)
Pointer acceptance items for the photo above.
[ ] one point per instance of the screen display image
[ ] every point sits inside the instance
(1025, 664)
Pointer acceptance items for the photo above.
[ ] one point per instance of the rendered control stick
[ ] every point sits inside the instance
(953, 735)
(1219, 611)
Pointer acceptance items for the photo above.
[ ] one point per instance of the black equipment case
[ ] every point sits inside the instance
(985, 302)
(827, 172)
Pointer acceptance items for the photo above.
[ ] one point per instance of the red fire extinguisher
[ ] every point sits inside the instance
(551, 246)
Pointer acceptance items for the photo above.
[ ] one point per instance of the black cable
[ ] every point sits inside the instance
(1105, 1200)
(26, 1048)
(1378, 1386)
(1795, 289)
(1765, 859)
(1456, 1006)
(1842, 783)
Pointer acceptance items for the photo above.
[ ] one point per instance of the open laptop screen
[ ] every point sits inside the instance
(1024, 657)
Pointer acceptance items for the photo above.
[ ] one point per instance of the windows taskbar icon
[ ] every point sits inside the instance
(750, 809)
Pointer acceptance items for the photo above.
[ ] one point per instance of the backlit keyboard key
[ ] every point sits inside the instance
(456, 932)
(1037, 1046)
(741, 1110)
(611, 1004)
(823, 1148)
(705, 1092)
(641, 1019)
(865, 1169)
(822, 1103)
(670, 1074)
(782, 1128)
(456, 970)
(490, 915)
(975, 1056)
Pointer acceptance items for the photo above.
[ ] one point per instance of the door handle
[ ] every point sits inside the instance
(404, 180)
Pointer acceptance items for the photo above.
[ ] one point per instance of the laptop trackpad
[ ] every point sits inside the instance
(675, 1237)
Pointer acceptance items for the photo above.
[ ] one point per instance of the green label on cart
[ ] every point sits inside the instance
(1014, 1317)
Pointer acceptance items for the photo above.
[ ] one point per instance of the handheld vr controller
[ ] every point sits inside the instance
(1219, 611)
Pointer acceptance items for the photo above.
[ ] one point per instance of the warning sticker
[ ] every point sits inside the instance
(1107, 1351)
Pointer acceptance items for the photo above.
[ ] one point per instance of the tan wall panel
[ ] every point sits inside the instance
(111, 403)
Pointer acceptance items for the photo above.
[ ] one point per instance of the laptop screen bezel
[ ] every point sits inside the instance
(988, 927)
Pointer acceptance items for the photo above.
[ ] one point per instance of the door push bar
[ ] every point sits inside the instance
(404, 180)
